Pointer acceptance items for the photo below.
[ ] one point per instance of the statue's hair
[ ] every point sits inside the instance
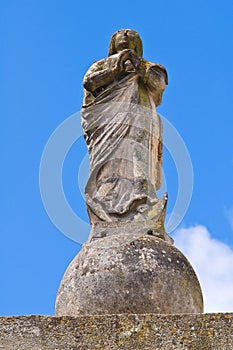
(112, 48)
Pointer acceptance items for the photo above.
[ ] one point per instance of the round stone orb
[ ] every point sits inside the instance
(127, 273)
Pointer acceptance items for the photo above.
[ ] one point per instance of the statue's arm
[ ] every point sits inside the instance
(100, 74)
(104, 72)
(155, 77)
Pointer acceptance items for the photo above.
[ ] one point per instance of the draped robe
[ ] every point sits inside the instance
(123, 133)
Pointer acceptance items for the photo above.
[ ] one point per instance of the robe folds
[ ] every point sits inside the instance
(123, 133)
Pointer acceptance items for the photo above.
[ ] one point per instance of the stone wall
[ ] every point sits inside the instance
(116, 332)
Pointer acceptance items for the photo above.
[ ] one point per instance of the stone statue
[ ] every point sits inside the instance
(128, 265)
(123, 133)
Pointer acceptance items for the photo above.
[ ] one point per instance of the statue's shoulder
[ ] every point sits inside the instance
(97, 65)
(157, 68)
(103, 63)
(149, 64)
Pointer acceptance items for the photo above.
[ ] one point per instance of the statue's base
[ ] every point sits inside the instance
(148, 221)
(129, 273)
(118, 332)
(139, 228)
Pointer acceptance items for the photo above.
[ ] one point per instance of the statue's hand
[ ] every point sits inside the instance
(125, 58)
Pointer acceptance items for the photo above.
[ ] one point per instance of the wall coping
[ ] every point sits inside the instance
(116, 332)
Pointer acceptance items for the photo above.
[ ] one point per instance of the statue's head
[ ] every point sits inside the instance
(125, 39)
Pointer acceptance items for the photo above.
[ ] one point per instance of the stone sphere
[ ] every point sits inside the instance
(127, 273)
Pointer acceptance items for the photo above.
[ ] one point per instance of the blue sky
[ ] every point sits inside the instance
(47, 47)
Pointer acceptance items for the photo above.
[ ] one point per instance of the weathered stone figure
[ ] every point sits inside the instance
(128, 264)
(123, 133)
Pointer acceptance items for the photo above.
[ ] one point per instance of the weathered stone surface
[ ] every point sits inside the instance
(123, 132)
(140, 228)
(128, 264)
(129, 273)
(118, 332)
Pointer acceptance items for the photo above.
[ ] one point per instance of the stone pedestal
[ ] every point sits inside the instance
(129, 273)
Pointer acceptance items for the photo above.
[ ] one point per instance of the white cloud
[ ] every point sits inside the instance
(212, 261)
